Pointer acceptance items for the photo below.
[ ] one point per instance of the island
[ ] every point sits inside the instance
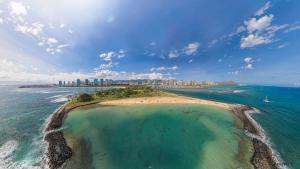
(59, 151)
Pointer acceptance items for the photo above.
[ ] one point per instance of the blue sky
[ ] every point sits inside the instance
(248, 41)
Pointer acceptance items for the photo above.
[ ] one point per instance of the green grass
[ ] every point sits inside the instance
(116, 93)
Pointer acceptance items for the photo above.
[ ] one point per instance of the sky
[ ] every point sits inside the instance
(249, 41)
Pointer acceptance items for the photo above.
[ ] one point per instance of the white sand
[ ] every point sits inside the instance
(167, 100)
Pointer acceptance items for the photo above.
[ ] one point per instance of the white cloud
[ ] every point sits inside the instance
(110, 55)
(107, 56)
(11, 71)
(282, 46)
(162, 68)
(51, 41)
(62, 25)
(213, 42)
(260, 24)
(1, 20)
(192, 48)
(152, 54)
(234, 73)
(248, 63)
(253, 40)
(173, 54)
(292, 28)
(35, 29)
(63, 46)
(190, 61)
(262, 10)
(17, 8)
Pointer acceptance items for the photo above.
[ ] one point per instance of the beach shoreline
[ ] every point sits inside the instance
(262, 158)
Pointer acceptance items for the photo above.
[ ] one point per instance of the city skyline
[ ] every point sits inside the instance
(252, 42)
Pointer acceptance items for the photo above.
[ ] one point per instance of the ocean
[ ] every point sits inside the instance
(24, 112)
(279, 117)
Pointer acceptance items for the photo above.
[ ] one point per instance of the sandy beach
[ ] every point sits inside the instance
(167, 100)
(262, 157)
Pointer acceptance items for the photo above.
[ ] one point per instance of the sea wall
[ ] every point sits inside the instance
(263, 157)
(58, 152)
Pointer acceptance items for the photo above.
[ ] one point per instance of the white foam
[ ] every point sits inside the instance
(56, 96)
(238, 91)
(49, 91)
(58, 100)
(8, 148)
(6, 161)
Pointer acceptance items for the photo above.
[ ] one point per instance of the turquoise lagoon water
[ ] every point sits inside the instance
(156, 136)
(280, 117)
(23, 113)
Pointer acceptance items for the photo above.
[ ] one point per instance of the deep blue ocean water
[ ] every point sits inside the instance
(280, 117)
(23, 113)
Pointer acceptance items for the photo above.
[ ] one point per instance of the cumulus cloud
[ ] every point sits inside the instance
(253, 40)
(260, 24)
(35, 29)
(190, 61)
(19, 16)
(192, 48)
(189, 49)
(260, 31)
(17, 8)
(173, 54)
(162, 68)
(52, 41)
(248, 63)
(110, 55)
(16, 72)
(262, 10)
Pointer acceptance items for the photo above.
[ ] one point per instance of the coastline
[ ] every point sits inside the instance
(59, 152)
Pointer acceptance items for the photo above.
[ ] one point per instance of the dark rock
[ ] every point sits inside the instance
(58, 150)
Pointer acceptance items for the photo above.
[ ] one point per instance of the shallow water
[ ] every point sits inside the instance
(156, 136)
(280, 117)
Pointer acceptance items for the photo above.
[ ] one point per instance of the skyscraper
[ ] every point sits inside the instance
(101, 82)
(86, 82)
(96, 82)
(78, 82)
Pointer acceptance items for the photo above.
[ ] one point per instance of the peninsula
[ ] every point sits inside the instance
(59, 151)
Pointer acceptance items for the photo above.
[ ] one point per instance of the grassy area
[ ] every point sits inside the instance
(117, 93)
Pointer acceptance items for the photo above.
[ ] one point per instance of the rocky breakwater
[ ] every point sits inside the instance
(58, 151)
(262, 157)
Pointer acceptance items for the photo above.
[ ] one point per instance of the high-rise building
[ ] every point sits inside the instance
(101, 82)
(96, 82)
(86, 82)
(60, 83)
(78, 82)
